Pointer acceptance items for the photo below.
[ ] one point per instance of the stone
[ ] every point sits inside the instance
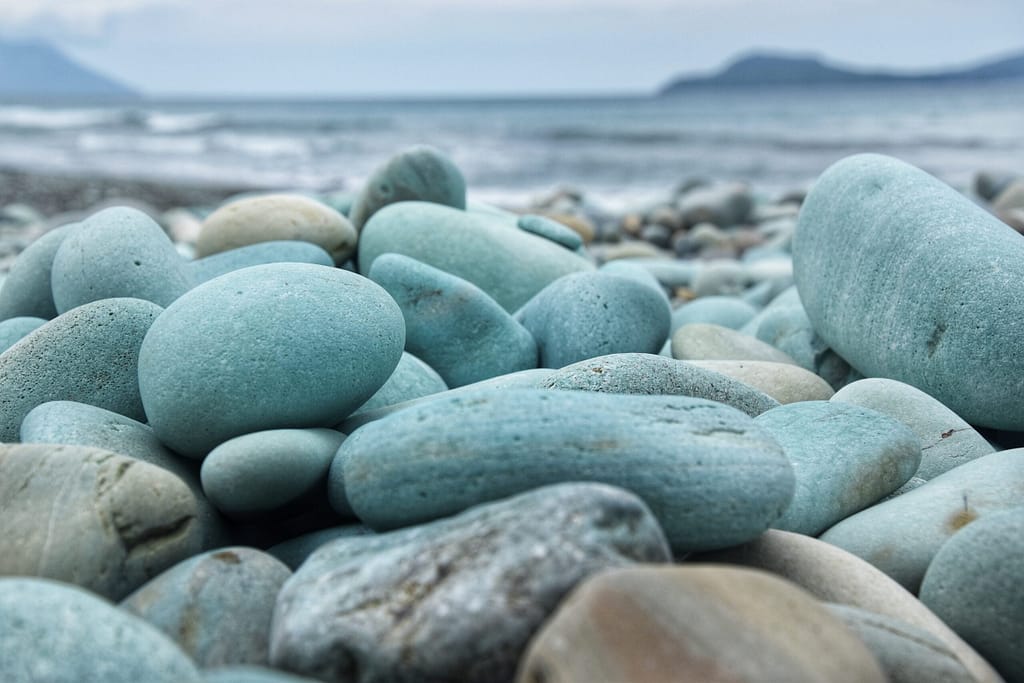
(511, 265)
(91, 517)
(722, 277)
(873, 226)
(709, 474)
(947, 441)
(89, 354)
(576, 221)
(641, 373)
(57, 633)
(701, 623)
(670, 273)
(784, 382)
(542, 226)
(256, 474)
(453, 325)
(845, 458)
(216, 606)
(297, 550)
(973, 584)
(251, 674)
(26, 291)
(1010, 197)
(279, 251)
(727, 311)
(636, 272)
(907, 654)
(705, 341)
(458, 599)
(420, 173)
(288, 345)
(722, 205)
(273, 217)
(902, 535)
(988, 184)
(117, 252)
(585, 315)
(411, 379)
(13, 330)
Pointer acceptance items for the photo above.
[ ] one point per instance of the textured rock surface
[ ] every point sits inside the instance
(411, 379)
(456, 600)
(784, 382)
(26, 290)
(291, 251)
(704, 341)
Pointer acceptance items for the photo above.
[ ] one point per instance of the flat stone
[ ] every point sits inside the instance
(641, 624)
(704, 341)
(216, 606)
(784, 382)
(91, 517)
(545, 227)
(873, 226)
(279, 251)
(727, 311)
(458, 599)
(711, 477)
(26, 290)
(13, 330)
(57, 633)
(411, 379)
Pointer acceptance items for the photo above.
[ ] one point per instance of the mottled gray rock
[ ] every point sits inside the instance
(13, 330)
(455, 600)
(784, 382)
(26, 290)
(411, 379)
(295, 551)
(281, 251)
(704, 341)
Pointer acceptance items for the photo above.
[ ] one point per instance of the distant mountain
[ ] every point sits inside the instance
(762, 68)
(36, 69)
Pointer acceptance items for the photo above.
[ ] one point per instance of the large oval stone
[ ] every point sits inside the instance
(907, 279)
(267, 347)
(26, 290)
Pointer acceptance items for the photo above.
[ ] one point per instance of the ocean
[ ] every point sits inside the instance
(623, 150)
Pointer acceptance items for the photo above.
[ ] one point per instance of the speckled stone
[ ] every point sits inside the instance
(902, 535)
(545, 227)
(295, 551)
(276, 346)
(89, 354)
(117, 252)
(695, 623)
(705, 341)
(280, 251)
(872, 226)
(671, 451)
(57, 633)
(727, 311)
(217, 606)
(255, 474)
(511, 265)
(585, 315)
(845, 458)
(453, 325)
(273, 217)
(26, 290)
(14, 330)
(947, 440)
(784, 382)
(642, 373)
(458, 599)
(411, 379)
(973, 584)
(91, 517)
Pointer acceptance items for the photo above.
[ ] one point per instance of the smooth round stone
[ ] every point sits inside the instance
(57, 633)
(633, 271)
(699, 623)
(274, 217)
(255, 474)
(458, 599)
(585, 315)
(511, 265)
(411, 379)
(453, 325)
(14, 330)
(295, 551)
(89, 354)
(549, 229)
(420, 173)
(276, 346)
(902, 535)
(946, 440)
(705, 341)
(118, 252)
(217, 606)
(671, 273)
(784, 382)
(711, 477)
(834, 575)
(26, 290)
(251, 674)
(845, 458)
(906, 653)
(280, 251)
(641, 373)
(873, 226)
(91, 517)
(727, 311)
(973, 584)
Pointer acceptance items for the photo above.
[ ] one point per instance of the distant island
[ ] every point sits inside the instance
(774, 69)
(35, 69)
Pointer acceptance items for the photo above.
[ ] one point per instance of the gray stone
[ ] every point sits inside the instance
(217, 606)
(26, 291)
(721, 205)
(91, 517)
(411, 379)
(13, 330)
(455, 600)
(784, 382)
(295, 551)
(724, 277)
(1010, 197)
(907, 279)
(704, 341)
(545, 227)
(281, 251)
(988, 184)
(89, 354)
(636, 272)
(727, 311)
(61, 634)
(251, 674)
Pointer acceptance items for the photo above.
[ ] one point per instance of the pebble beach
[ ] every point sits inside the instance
(394, 433)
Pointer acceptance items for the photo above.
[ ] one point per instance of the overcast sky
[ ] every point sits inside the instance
(416, 47)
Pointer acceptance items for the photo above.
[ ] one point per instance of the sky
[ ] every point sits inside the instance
(491, 47)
